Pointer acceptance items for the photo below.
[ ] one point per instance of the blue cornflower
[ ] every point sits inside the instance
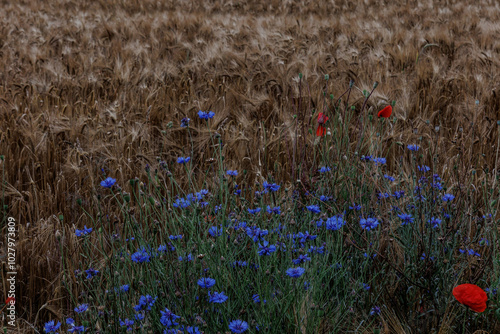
(399, 194)
(91, 272)
(295, 272)
(355, 206)
(206, 282)
(256, 298)
(305, 236)
(206, 114)
(108, 183)
(375, 310)
(182, 160)
(414, 148)
(334, 223)
(168, 318)
(238, 326)
(185, 122)
(254, 211)
(139, 317)
(72, 327)
(218, 298)
(313, 208)
(435, 222)
(448, 197)
(424, 168)
(381, 161)
(365, 286)
(232, 172)
(127, 323)
(175, 237)
(406, 218)
(302, 258)
(81, 308)
(140, 256)
(271, 186)
(324, 169)
(145, 303)
(265, 249)
(214, 231)
(239, 264)
(275, 210)
(256, 233)
(85, 231)
(125, 288)
(366, 158)
(181, 202)
(383, 195)
(390, 178)
(51, 326)
(324, 198)
(369, 223)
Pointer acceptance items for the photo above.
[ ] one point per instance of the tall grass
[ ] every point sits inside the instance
(85, 97)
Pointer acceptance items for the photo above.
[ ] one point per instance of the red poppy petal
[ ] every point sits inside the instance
(386, 112)
(320, 131)
(472, 296)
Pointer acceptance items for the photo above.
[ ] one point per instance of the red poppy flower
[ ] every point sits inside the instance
(386, 112)
(8, 300)
(472, 296)
(321, 131)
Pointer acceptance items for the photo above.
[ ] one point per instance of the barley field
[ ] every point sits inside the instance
(100, 99)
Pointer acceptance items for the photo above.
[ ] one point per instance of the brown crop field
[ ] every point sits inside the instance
(100, 87)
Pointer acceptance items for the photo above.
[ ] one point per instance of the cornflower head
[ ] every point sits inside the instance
(313, 208)
(81, 308)
(83, 232)
(254, 211)
(127, 323)
(73, 328)
(334, 223)
(145, 303)
(275, 210)
(182, 160)
(295, 272)
(424, 168)
(206, 282)
(168, 318)
(140, 256)
(214, 231)
(217, 297)
(390, 178)
(406, 218)
(51, 326)
(238, 326)
(435, 222)
(324, 169)
(108, 182)
(265, 249)
(185, 122)
(448, 197)
(368, 223)
(232, 172)
(413, 147)
(206, 114)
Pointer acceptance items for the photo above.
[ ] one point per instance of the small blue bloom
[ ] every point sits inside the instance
(448, 197)
(406, 218)
(81, 308)
(168, 318)
(232, 172)
(51, 326)
(254, 211)
(85, 231)
(182, 160)
(295, 272)
(91, 272)
(185, 122)
(375, 310)
(334, 223)
(217, 297)
(424, 168)
(313, 208)
(369, 223)
(214, 231)
(206, 114)
(108, 183)
(206, 282)
(435, 222)
(140, 256)
(390, 178)
(324, 169)
(127, 323)
(414, 148)
(381, 161)
(238, 326)
(265, 249)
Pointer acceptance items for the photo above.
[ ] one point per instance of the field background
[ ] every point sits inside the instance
(87, 86)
